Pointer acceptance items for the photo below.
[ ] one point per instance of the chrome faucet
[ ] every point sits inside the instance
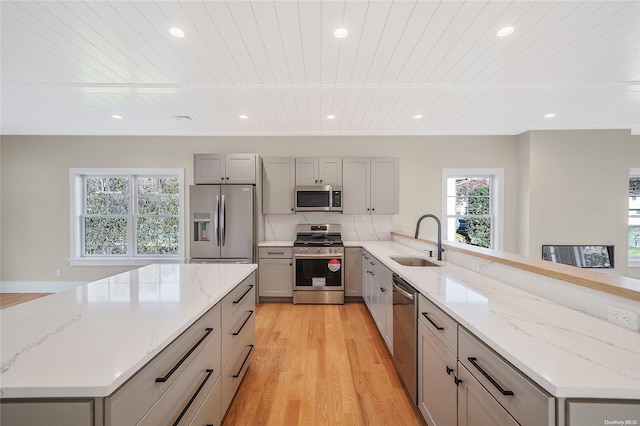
(440, 249)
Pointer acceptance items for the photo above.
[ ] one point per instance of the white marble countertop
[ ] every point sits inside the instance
(87, 341)
(568, 353)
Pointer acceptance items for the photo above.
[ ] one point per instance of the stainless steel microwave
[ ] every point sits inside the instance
(318, 198)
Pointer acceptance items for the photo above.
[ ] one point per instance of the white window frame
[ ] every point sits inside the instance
(633, 261)
(76, 196)
(497, 200)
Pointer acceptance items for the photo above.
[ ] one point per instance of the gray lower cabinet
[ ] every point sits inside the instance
(476, 406)
(602, 412)
(51, 412)
(353, 272)
(378, 295)
(462, 381)
(437, 391)
(275, 269)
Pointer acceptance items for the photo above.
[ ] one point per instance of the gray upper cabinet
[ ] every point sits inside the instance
(225, 168)
(278, 183)
(319, 171)
(385, 186)
(370, 185)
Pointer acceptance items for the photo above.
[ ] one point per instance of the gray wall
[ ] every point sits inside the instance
(35, 182)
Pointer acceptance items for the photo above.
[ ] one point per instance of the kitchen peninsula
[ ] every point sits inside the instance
(108, 351)
(589, 365)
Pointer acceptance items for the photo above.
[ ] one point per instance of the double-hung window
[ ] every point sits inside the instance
(634, 218)
(127, 216)
(472, 206)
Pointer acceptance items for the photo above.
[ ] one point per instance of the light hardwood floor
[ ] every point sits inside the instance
(319, 365)
(10, 299)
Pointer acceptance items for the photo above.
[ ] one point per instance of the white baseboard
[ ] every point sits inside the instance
(37, 286)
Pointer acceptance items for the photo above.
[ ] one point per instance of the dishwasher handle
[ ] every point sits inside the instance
(398, 286)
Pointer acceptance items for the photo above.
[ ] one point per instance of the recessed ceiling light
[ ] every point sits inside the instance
(505, 31)
(176, 32)
(244, 116)
(417, 116)
(330, 117)
(341, 33)
(550, 115)
(117, 117)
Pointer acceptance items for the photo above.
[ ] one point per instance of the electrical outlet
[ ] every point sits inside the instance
(622, 317)
(58, 273)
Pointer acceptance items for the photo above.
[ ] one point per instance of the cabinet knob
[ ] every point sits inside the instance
(227, 177)
(316, 180)
(449, 370)
(320, 180)
(457, 381)
(373, 209)
(382, 290)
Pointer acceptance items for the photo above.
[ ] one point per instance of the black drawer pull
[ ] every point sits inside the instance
(175, 367)
(235, 376)
(193, 397)
(457, 381)
(275, 252)
(449, 370)
(474, 361)
(426, 315)
(235, 333)
(243, 294)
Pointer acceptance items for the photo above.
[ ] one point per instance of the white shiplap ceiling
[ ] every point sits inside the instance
(68, 66)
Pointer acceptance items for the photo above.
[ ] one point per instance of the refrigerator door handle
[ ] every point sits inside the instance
(216, 216)
(223, 216)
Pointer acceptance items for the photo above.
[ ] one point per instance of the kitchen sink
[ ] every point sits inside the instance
(413, 261)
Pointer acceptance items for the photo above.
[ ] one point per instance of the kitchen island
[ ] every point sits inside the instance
(86, 343)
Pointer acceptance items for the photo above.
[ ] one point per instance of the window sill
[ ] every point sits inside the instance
(128, 261)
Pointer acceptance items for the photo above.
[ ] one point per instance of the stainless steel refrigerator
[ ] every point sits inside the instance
(221, 223)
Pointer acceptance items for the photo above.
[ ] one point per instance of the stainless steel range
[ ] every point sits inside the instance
(318, 273)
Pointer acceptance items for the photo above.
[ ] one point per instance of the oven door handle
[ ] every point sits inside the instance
(317, 256)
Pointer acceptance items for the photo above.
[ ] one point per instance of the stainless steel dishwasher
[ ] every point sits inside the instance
(405, 336)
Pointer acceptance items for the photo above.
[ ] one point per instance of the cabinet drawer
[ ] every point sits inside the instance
(382, 272)
(234, 328)
(275, 252)
(524, 400)
(439, 323)
(210, 412)
(143, 387)
(238, 295)
(182, 400)
(235, 370)
(476, 406)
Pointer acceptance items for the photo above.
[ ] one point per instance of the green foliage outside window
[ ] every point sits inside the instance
(108, 219)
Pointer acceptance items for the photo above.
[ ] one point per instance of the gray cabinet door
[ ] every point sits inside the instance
(353, 271)
(307, 171)
(240, 168)
(356, 173)
(385, 186)
(278, 183)
(476, 406)
(276, 277)
(330, 171)
(437, 391)
(209, 168)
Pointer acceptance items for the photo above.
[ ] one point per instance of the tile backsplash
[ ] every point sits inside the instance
(365, 227)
